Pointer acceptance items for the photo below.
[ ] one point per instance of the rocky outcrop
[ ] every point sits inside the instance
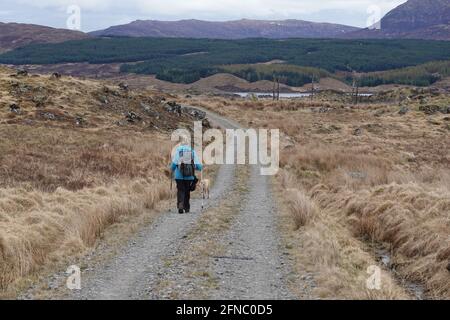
(432, 109)
(174, 107)
(415, 19)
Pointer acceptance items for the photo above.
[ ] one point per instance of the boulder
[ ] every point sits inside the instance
(173, 107)
(103, 99)
(429, 109)
(403, 110)
(48, 115)
(132, 117)
(22, 73)
(195, 113)
(110, 91)
(79, 121)
(14, 108)
(358, 132)
(124, 86)
(324, 109)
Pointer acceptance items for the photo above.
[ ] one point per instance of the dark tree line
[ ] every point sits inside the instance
(187, 60)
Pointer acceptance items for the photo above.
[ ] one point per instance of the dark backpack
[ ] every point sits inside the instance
(187, 168)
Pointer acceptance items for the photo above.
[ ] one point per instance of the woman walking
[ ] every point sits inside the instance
(184, 163)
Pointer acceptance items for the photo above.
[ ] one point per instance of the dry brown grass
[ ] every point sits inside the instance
(302, 209)
(44, 220)
(62, 184)
(47, 159)
(385, 184)
(40, 228)
(327, 250)
(413, 220)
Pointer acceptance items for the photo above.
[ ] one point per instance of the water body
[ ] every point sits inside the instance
(290, 95)
(417, 290)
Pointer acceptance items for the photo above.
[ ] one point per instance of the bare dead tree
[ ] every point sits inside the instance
(355, 88)
(278, 89)
(274, 88)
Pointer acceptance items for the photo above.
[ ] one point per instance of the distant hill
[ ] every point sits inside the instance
(238, 29)
(15, 35)
(415, 19)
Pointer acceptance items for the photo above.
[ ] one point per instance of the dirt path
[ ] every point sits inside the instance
(251, 264)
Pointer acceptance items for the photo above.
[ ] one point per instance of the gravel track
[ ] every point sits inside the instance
(253, 267)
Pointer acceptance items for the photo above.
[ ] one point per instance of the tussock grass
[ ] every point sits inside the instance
(328, 251)
(301, 208)
(37, 228)
(339, 264)
(412, 219)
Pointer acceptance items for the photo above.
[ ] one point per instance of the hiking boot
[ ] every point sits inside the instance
(187, 210)
(181, 211)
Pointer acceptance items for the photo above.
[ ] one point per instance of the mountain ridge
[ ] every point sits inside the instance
(235, 29)
(15, 35)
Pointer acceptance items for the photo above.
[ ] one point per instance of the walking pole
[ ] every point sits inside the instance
(203, 190)
(171, 176)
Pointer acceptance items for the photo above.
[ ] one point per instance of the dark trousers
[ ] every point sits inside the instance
(184, 194)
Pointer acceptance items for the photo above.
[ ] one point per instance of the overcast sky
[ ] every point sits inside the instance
(99, 14)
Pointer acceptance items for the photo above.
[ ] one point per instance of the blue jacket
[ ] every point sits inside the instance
(176, 160)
